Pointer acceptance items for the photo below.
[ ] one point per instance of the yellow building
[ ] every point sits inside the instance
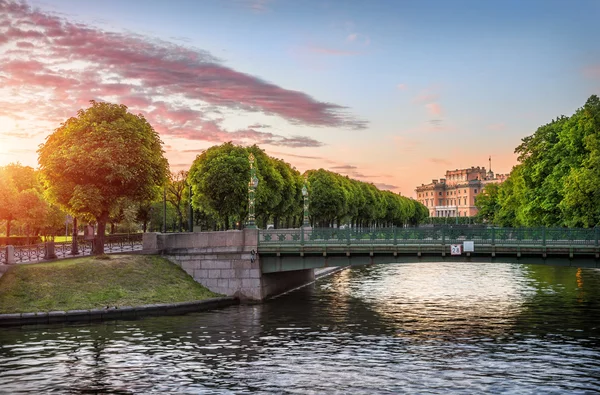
(455, 194)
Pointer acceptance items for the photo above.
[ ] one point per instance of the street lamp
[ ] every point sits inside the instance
(251, 193)
(191, 216)
(305, 223)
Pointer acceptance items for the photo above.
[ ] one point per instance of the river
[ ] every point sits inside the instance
(422, 328)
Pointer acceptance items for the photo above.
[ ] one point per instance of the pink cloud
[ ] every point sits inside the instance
(425, 97)
(592, 71)
(159, 69)
(440, 161)
(497, 126)
(401, 87)
(434, 108)
(358, 39)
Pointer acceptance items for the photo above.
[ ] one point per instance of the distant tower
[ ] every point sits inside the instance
(490, 174)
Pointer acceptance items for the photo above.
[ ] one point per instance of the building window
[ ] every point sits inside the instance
(476, 191)
(465, 191)
(440, 193)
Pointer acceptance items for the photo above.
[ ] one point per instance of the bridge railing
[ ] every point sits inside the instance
(436, 235)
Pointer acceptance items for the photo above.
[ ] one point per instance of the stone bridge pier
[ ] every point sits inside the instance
(225, 262)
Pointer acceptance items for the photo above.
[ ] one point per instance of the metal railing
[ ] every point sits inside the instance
(37, 252)
(436, 235)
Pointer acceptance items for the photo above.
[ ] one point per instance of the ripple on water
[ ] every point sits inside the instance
(415, 328)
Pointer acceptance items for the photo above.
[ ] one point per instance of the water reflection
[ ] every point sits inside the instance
(418, 328)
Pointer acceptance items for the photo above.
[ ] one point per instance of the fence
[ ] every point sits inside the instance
(38, 252)
(431, 235)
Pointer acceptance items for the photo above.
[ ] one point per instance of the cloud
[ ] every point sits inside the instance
(258, 126)
(343, 167)
(401, 87)
(195, 151)
(497, 126)
(332, 51)
(57, 66)
(440, 161)
(434, 109)
(425, 97)
(257, 6)
(384, 187)
(296, 156)
(592, 71)
(358, 39)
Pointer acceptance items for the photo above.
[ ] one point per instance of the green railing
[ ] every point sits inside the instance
(431, 235)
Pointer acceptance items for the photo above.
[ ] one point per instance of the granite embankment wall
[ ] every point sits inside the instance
(224, 262)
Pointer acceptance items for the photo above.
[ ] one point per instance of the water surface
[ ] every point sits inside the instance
(427, 328)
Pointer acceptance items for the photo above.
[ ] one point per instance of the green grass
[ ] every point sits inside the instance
(88, 283)
(60, 239)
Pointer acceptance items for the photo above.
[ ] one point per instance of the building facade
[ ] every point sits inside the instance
(455, 194)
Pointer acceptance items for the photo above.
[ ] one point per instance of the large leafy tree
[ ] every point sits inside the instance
(8, 200)
(555, 183)
(219, 178)
(17, 182)
(487, 203)
(99, 157)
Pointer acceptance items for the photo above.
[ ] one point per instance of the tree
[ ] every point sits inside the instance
(99, 157)
(219, 178)
(176, 190)
(487, 203)
(555, 183)
(8, 198)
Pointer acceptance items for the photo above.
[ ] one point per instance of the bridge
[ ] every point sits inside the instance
(255, 264)
(298, 249)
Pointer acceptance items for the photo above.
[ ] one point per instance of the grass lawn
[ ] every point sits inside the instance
(90, 282)
(60, 239)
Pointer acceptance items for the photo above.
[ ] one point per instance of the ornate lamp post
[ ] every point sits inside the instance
(251, 193)
(305, 223)
(191, 216)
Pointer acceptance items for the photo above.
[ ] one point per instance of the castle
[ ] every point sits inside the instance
(455, 194)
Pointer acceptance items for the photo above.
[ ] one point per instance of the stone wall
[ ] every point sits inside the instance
(224, 262)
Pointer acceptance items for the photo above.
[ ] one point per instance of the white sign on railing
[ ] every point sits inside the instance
(469, 246)
(455, 249)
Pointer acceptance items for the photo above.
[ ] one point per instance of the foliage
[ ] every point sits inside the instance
(103, 155)
(177, 194)
(22, 202)
(556, 181)
(220, 176)
(219, 179)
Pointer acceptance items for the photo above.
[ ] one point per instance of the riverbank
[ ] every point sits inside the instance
(91, 283)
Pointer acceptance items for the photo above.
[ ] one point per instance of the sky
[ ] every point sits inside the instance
(389, 92)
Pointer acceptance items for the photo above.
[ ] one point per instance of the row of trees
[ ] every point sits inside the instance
(219, 179)
(22, 203)
(556, 182)
(107, 166)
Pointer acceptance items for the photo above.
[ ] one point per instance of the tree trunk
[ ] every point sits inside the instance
(99, 240)
(74, 246)
(180, 215)
(8, 228)
(144, 226)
